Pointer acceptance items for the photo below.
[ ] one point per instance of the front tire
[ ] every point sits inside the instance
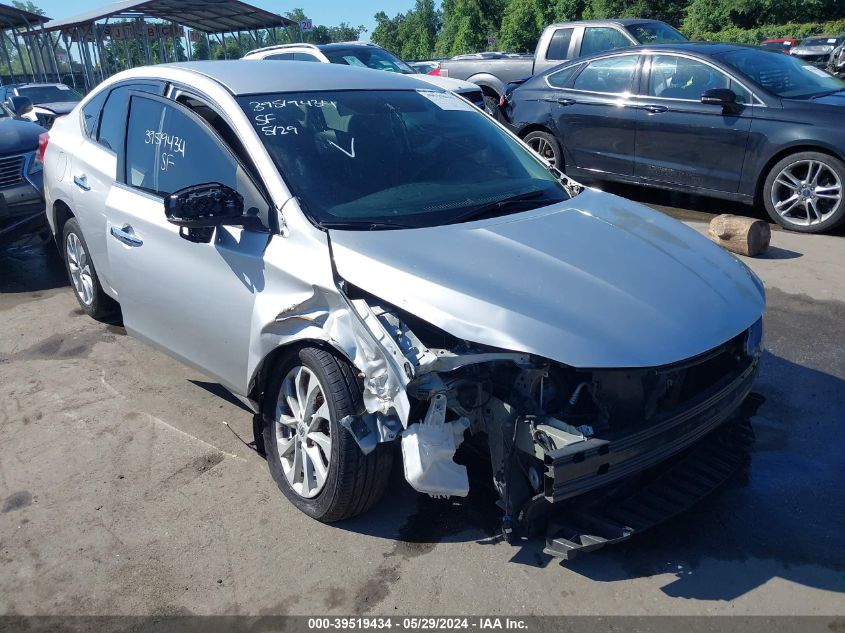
(83, 276)
(804, 192)
(315, 462)
(546, 146)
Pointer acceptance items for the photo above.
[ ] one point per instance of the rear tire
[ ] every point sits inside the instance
(805, 192)
(83, 276)
(546, 146)
(341, 481)
(491, 104)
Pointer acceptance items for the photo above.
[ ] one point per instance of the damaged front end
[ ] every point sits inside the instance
(554, 433)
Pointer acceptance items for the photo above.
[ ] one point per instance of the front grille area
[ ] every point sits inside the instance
(11, 171)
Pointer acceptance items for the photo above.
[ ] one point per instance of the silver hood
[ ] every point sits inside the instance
(595, 282)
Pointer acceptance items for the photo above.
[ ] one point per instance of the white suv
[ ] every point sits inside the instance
(368, 55)
(364, 259)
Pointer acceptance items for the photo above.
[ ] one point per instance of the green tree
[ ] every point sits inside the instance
(566, 10)
(465, 29)
(521, 26)
(670, 11)
(418, 31)
(323, 34)
(386, 33)
(28, 6)
(715, 15)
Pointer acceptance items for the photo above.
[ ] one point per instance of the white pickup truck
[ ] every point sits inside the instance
(558, 43)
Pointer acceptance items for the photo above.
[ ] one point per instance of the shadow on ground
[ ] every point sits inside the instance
(28, 267)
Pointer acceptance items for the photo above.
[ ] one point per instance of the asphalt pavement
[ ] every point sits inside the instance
(127, 486)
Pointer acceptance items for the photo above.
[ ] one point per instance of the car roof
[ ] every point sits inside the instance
(703, 48)
(245, 77)
(619, 22)
(33, 84)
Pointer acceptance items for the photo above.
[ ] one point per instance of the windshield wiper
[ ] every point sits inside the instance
(826, 94)
(366, 226)
(503, 205)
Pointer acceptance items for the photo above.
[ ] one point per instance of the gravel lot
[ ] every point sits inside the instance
(126, 488)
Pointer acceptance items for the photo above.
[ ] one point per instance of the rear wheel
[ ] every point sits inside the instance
(547, 146)
(83, 276)
(491, 104)
(316, 463)
(804, 192)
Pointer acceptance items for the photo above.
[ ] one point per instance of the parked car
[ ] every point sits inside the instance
(836, 65)
(780, 45)
(365, 55)
(817, 50)
(427, 67)
(715, 119)
(21, 177)
(558, 44)
(364, 259)
(50, 100)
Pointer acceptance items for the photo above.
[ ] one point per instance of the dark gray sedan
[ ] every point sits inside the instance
(715, 119)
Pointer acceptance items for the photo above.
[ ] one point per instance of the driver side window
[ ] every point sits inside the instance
(674, 77)
(168, 148)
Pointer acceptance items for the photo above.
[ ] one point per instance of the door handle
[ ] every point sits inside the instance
(127, 236)
(565, 101)
(655, 109)
(82, 182)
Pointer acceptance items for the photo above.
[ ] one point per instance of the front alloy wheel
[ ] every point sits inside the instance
(314, 460)
(805, 192)
(303, 432)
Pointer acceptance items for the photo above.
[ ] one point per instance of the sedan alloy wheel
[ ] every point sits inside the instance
(807, 192)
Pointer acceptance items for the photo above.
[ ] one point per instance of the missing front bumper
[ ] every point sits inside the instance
(654, 496)
(596, 463)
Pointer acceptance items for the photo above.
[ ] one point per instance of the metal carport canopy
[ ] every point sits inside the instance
(209, 16)
(14, 18)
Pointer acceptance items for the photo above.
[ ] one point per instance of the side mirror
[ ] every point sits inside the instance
(724, 97)
(20, 105)
(199, 209)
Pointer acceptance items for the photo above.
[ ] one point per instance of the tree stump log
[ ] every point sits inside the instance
(745, 236)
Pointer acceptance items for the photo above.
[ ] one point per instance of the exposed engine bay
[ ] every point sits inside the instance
(553, 432)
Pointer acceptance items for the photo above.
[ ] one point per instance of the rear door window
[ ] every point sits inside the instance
(91, 114)
(559, 46)
(561, 78)
(281, 57)
(304, 57)
(113, 122)
(613, 75)
(598, 39)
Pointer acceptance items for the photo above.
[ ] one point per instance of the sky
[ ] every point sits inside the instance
(328, 12)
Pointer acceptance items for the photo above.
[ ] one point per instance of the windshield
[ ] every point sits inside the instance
(819, 41)
(397, 159)
(49, 94)
(655, 33)
(784, 75)
(369, 57)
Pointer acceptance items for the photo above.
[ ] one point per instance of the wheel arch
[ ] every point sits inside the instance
(534, 127)
(783, 153)
(280, 354)
(489, 84)
(60, 214)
